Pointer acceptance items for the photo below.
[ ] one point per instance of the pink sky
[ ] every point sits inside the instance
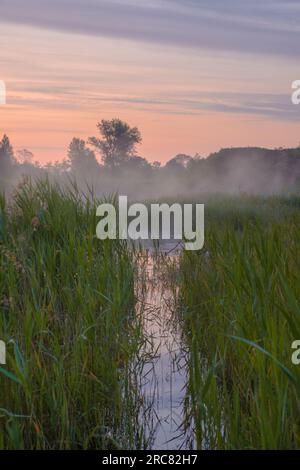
(183, 99)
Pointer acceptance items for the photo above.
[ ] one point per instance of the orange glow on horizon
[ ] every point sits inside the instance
(60, 85)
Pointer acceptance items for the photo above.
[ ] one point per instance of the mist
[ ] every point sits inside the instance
(111, 164)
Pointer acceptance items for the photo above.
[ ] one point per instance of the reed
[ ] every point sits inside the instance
(68, 320)
(240, 301)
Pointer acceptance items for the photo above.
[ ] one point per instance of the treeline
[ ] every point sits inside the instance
(110, 163)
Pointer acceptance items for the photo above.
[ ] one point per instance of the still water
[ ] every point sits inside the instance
(163, 377)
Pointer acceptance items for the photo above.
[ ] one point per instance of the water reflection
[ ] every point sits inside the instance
(163, 376)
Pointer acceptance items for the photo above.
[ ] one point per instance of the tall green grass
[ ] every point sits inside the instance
(241, 307)
(67, 317)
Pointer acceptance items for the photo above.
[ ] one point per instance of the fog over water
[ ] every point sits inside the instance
(232, 171)
(109, 163)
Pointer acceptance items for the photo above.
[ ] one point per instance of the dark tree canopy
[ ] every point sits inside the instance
(82, 159)
(117, 143)
(179, 161)
(248, 169)
(6, 155)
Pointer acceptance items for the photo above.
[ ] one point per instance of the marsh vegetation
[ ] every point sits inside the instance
(112, 347)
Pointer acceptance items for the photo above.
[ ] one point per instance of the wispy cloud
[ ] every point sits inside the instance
(265, 26)
(269, 105)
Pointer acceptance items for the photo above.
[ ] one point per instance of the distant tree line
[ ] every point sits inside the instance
(110, 162)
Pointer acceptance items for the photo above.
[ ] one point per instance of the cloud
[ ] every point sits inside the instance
(266, 105)
(261, 27)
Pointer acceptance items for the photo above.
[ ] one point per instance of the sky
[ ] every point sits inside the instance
(192, 75)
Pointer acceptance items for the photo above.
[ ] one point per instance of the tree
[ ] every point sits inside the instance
(25, 157)
(118, 142)
(137, 163)
(82, 159)
(179, 162)
(6, 156)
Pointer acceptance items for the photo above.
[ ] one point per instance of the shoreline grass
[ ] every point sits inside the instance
(67, 317)
(240, 302)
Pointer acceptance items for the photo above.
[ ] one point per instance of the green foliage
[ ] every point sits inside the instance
(118, 141)
(240, 301)
(67, 311)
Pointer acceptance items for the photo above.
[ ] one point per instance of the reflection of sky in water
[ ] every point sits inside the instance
(164, 377)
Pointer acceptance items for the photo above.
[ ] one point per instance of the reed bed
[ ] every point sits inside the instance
(240, 301)
(74, 333)
(67, 316)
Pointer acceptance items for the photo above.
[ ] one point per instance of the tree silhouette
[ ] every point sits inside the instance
(179, 161)
(25, 157)
(6, 156)
(82, 159)
(118, 142)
